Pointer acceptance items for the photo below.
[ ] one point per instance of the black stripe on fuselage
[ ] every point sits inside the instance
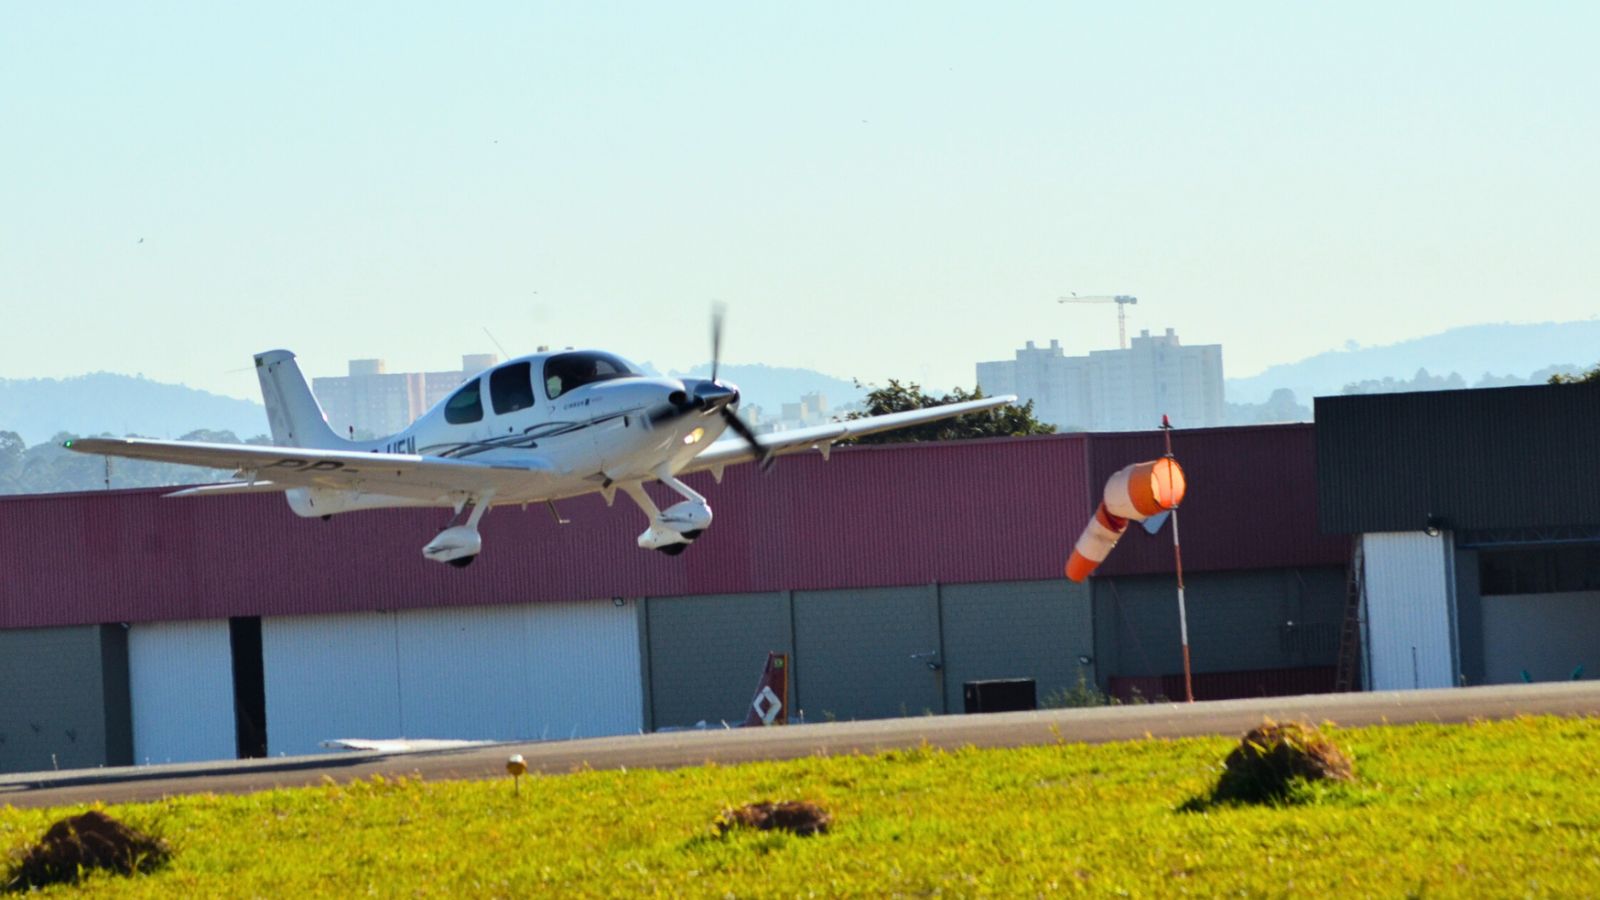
(527, 440)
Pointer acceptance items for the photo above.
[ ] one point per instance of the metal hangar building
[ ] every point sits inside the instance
(136, 629)
(1476, 517)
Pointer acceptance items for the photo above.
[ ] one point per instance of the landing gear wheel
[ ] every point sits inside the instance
(673, 549)
(463, 561)
(691, 535)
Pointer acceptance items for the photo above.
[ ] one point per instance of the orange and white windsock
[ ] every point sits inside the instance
(1135, 493)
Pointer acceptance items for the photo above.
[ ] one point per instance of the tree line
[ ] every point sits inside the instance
(51, 468)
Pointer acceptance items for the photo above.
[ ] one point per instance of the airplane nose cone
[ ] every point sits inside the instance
(712, 394)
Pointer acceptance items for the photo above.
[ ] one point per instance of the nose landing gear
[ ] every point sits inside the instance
(671, 530)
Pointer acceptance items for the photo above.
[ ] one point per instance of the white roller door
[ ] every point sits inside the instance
(1410, 630)
(327, 677)
(180, 683)
(475, 673)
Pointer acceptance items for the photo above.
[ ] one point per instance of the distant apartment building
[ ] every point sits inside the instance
(811, 410)
(1115, 390)
(372, 401)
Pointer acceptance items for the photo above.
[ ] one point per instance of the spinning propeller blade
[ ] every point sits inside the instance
(740, 428)
(703, 396)
(718, 313)
(737, 425)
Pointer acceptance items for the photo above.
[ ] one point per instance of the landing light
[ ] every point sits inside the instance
(694, 436)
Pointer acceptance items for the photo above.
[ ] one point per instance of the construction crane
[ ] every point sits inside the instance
(1121, 300)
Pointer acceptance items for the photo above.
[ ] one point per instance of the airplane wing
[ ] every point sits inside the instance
(282, 468)
(735, 450)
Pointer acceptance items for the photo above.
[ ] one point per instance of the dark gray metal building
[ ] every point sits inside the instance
(1477, 514)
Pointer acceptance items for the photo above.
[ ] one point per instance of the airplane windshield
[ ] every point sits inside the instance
(566, 371)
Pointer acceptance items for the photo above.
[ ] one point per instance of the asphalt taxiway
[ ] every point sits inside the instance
(724, 746)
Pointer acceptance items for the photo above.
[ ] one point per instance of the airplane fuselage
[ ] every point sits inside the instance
(583, 439)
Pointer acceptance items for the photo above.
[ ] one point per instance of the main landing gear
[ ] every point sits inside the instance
(671, 530)
(459, 544)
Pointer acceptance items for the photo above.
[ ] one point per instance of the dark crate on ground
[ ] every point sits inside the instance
(1001, 695)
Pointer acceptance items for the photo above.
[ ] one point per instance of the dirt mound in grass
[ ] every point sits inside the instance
(1272, 757)
(76, 845)
(799, 816)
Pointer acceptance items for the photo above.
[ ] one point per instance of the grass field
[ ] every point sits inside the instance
(1491, 809)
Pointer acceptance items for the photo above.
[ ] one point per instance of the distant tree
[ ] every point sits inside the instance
(11, 450)
(49, 467)
(1590, 377)
(1422, 381)
(1004, 421)
(1280, 407)
(208, 436)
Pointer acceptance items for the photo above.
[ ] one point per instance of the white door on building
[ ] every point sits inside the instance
(180, 684)
(1410, 631)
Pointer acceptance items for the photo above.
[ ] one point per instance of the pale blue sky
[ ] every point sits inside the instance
(875, 190)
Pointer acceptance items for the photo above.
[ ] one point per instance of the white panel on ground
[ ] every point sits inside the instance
(472, 673)
(180, 681)
(1408, 610)
(327, 677)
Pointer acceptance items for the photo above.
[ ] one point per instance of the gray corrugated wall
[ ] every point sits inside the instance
(854, 653)
(1023, 629)
(1548, 636)
(1481, 458)
(1266, 619)
(706, 654)
(53, 687)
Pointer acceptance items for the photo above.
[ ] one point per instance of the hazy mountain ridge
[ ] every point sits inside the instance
(108, 403)
(104, 402)
(1473, 351)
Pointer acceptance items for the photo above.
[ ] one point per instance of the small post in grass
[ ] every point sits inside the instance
(515, 767)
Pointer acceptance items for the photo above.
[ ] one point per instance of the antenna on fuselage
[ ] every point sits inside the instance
(503, 353)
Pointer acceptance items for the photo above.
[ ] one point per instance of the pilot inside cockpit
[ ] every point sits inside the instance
(566, 371)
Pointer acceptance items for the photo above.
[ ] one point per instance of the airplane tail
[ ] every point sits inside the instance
(771, 703)
(293, 413)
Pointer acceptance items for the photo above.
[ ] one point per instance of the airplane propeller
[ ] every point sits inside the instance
(705, 395)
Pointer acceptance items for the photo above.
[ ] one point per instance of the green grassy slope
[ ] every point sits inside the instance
(1503, 808)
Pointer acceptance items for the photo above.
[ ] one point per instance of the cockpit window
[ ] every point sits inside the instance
(465, 406)
(566, 371)
(511, 387)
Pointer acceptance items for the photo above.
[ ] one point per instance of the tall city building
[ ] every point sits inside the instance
(372, 401)
(1115, 390)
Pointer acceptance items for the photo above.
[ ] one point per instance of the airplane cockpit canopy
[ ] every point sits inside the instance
(565, 371)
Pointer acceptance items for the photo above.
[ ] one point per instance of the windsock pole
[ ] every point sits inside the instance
(1177, 556)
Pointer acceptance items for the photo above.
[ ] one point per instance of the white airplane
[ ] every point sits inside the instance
(536, 429)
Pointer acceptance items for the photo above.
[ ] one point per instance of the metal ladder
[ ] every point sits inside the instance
(1349, 663)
